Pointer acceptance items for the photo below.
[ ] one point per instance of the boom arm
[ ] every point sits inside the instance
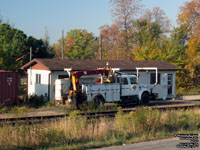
(76, 75)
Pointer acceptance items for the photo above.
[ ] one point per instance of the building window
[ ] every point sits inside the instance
(38, 79)
(153, 78)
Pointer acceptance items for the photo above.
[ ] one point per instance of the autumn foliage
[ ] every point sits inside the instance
(190, 18)
(141, 34)
(150, 37)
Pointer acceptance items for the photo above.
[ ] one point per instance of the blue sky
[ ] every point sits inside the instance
(32, 16)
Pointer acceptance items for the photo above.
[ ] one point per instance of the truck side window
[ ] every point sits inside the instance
(124, 81)
(133, 80)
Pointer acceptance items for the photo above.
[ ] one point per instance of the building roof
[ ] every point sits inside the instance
(124, 65)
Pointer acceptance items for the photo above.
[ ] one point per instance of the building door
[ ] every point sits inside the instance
(170, 84)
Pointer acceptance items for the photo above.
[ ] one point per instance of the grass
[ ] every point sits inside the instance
(78, 132)
(20, 109)
(90, 107)
(191, 91)
(33, 103)
(37, 103)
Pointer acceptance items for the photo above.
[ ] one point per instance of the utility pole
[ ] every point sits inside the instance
(100, 45)
(62, 44)
(30, 66)
(30, 53)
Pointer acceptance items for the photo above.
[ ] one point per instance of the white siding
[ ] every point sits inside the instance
(38, 89)
(54, 75)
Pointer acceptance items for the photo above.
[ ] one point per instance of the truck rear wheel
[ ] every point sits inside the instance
(98, 101)
(145, 98)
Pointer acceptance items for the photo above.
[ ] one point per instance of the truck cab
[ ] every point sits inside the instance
(129, 85)
(132, 91)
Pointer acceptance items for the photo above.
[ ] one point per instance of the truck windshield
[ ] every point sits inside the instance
(133, 80)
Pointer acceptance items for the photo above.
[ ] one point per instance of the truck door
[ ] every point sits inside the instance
(134, 86)
(125, 87)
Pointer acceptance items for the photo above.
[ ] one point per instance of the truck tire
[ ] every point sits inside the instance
(145, 98)
(98, 101)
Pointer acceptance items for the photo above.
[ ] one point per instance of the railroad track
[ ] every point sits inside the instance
(39, 119)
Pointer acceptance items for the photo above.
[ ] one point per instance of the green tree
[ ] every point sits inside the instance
(15, 48)
(80, 45)
(147, 43)
(12, 45)
(39, 48)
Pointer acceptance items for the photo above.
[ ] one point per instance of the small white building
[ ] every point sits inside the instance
(42, 74)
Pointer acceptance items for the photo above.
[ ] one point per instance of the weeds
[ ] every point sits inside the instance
(33, 102)
(15, 109)
(90, 107)
(78, 132)
(191, 91)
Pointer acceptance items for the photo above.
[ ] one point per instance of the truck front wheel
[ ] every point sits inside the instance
(145, 98)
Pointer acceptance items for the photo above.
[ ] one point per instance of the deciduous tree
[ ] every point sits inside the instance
(157, 16)
(123, 13)
(79, 44)
(147, 42)
(15, 48)
(39, 48)
(111, 39)
(189, 17)
(12, 45)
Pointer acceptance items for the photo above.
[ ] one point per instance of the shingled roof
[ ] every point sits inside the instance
(124, 65)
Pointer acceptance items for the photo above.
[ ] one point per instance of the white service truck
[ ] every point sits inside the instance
(125, 91)
(110, 87)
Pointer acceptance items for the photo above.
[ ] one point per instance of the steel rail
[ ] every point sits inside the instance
(91, 115)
